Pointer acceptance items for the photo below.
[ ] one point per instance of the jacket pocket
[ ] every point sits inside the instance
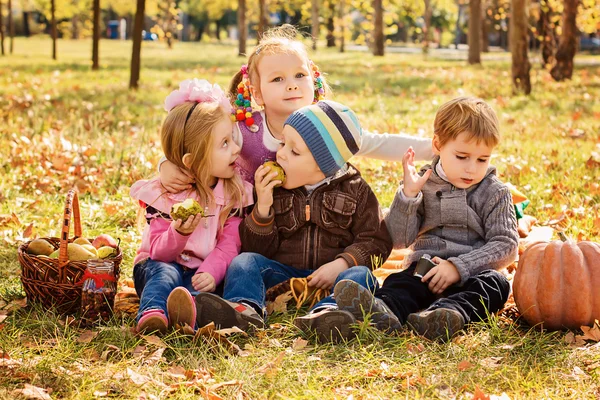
(338, 209)
(284, 213)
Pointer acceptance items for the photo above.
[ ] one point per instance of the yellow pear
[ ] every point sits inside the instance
(54, 254)
(82, 241)
(106, 251)
(77, 252)
(90, 248)
(40, 247)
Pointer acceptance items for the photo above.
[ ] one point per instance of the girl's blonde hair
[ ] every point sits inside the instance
(195, 137)
(279, 40)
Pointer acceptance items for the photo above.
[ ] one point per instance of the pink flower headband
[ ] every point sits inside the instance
(200, 91)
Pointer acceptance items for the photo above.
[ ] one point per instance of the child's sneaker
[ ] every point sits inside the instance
(330, 325)
(359, 301)
(152, 321)
(181, 308)
(225, 314)
(437, 324)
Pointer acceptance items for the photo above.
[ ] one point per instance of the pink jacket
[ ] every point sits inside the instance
(206, 249)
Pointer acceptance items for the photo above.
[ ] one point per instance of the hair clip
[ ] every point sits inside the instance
(243, 102)
(318, 82)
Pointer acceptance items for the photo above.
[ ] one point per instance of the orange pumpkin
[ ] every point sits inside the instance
(557, 284)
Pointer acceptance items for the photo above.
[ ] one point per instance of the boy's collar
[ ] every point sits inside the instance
(341, 172)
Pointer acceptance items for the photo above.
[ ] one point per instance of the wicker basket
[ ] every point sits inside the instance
(56, 282)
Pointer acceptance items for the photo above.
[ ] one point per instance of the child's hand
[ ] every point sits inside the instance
(264, 184)
(203, 282)
(325, 276)
(441, 276)
(187, 227)
(173, 178)
(413, 183)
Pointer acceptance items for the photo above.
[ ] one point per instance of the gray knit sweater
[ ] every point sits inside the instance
(474, 228)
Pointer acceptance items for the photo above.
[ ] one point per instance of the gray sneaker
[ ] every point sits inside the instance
(359, 301)
(330, 325)
(438, 324)
(225, 314)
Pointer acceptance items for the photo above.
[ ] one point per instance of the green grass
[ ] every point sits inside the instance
(62, 124)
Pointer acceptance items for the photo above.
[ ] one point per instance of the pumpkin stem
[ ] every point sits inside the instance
(562, 236)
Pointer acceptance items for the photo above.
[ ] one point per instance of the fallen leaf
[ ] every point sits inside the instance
(218, 386)
(177, 372)
(491, 362)
(109, 349)
(280, 303)
(229, 331)
(136, 378)
(271, 368)
(139, 351)
(464, 365)
(298, 344)
(155, 340)
(87, 336)
(33, 392)
(479, 395)
(415, 349)
(155, 357)
(27, 232)
(3, 315)
(591, 332)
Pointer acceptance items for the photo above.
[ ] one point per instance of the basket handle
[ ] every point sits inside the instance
(71, 207)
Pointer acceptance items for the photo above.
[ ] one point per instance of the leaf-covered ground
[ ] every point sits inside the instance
(63, 125)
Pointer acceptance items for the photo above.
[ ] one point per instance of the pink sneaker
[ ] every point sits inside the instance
(152, 321)
(181, 308)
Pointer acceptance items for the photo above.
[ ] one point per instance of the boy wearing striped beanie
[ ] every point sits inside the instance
(323, 223)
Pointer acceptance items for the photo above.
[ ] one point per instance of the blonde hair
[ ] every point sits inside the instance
(279, 40)
(195, 137)
(467, 114)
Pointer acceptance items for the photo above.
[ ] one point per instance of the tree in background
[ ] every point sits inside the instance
(166, 22)
(330, 23)
(567, 44)
(138, 27)
(53, 33)
(474, 32)
(11, 28)
(96, 35)
(378, 38)
(1, 30)
(262, 18)
(314, 31)
(242, 27)
(519, 34)
(547, 32)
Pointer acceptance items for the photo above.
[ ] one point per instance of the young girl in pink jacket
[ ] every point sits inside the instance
(179, 259)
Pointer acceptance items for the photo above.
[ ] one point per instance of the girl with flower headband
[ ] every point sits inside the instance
(281, 78)
(178, 259)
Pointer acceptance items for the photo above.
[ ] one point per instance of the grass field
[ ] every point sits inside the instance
(62, 125)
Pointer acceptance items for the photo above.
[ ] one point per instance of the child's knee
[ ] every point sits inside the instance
(360, 274)
(243, 264)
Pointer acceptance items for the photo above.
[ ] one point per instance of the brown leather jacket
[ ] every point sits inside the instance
(338, 219)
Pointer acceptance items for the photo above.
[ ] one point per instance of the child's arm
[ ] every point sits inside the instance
(216, 263)
(389, 147)
(258, 231)
(173, 178)
(404, 220)
(168, 238)
(501, 237)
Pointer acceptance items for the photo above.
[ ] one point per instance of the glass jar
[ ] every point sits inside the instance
(98, 291)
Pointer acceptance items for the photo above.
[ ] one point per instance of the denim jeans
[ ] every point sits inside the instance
(250, 275)
(154, 281)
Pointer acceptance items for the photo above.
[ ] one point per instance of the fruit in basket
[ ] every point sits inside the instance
(76, 252)
(90, 248)
(186, 209)
(82, 241)
(277, 168)
(39, 247)
(106, 252)
(54, 254)
(104, 240)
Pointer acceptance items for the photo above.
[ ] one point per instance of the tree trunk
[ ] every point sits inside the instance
(378, 40)
(474, 32)
(26, 30)
(567, 44)
(138, 26)
(485, 31)
(241, 27)
(519, 33)
(457, 27)
(342, 27)
(96, 35)
(1, 31)
(427, 32)
(315, 23)
(262, 18)
(548, 34)
(11, 28)
(53, 28)
(331, 25)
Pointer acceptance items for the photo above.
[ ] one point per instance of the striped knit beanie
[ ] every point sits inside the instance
(331, 132)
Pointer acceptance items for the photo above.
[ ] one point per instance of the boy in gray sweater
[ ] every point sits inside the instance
(455, 212)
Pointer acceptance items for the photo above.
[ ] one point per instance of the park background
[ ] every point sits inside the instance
(81, 105)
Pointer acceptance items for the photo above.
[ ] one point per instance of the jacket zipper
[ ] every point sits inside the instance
(309, 241)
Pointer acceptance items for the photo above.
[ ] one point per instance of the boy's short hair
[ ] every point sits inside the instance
(467, 114)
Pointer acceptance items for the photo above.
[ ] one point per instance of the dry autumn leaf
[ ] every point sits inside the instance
(464, 365)
(33, 392)
(591, 332)
(28, 230)
(155, 340)
(87, 336)
(299, 344)
(280, 303)
(271, 368)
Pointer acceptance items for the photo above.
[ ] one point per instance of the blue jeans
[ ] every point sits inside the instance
(154, 281)
(250, 275)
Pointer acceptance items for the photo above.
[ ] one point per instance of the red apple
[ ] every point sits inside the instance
(104, 240)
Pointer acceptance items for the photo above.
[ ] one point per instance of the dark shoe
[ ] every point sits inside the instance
(438, 324)
(225, 314)
(152, 321)
(181, 308)
(360, 302)
(330, 325)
